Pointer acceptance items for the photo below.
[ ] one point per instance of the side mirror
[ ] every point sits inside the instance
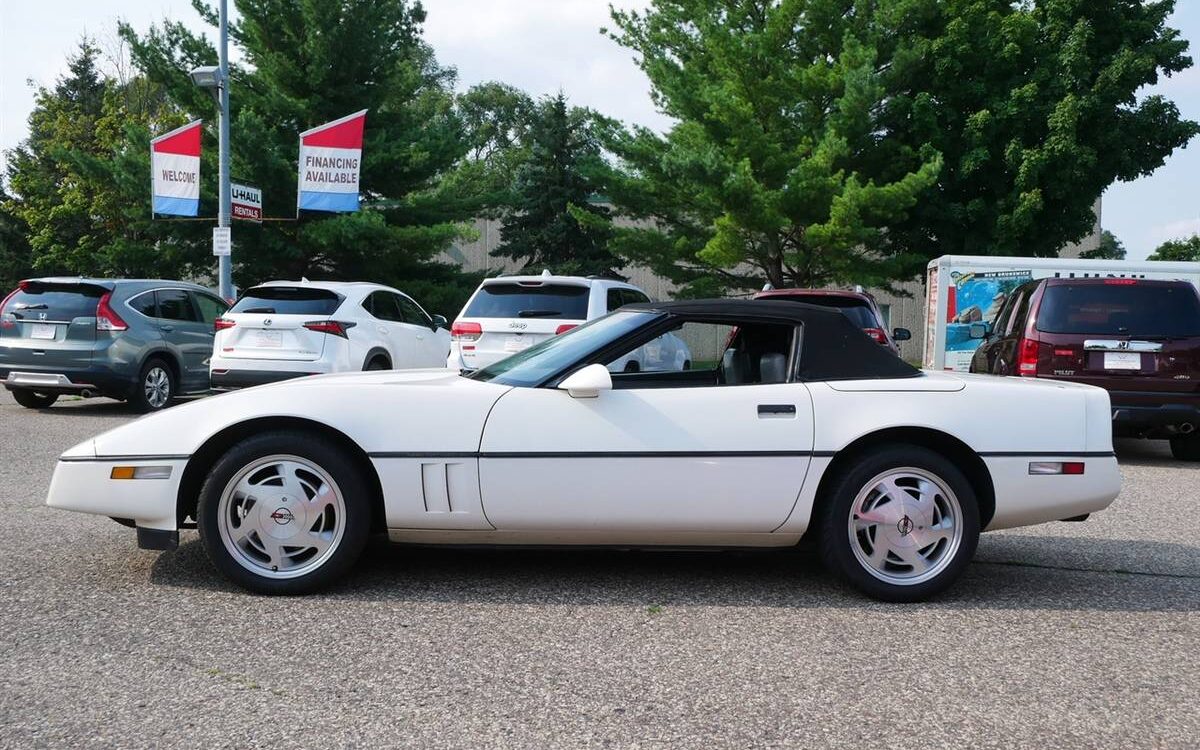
(901, 334)
(439, 321)
(979, 330)
(587, 382)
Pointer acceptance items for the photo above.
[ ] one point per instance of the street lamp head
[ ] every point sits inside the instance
(207, 76)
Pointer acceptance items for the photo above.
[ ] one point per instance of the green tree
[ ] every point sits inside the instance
(306, 62)
(1182, 249)
(1110, 248)
(16, 262)
(764, 174)
(1034, 106)
(550, 222)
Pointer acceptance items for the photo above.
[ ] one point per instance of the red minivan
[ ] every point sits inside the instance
(1138, 339)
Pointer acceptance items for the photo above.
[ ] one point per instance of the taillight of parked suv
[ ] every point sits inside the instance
(465, 332)
(107, 318)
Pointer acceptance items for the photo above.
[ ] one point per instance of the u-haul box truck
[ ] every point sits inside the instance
(965, 289)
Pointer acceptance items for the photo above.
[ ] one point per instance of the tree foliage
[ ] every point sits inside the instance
(552, 219)
(1181, 249)
(1110, 248)
(835, 141)
(16, 262)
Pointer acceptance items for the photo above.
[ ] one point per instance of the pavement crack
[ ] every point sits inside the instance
(1112, 571)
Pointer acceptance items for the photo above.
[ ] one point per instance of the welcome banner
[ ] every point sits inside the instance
(175, 168)
(330, 164)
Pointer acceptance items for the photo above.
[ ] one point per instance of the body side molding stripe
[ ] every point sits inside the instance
(94, 459)
(591, 454)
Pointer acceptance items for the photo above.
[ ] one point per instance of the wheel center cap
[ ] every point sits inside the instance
(904, 526)
(282, 516)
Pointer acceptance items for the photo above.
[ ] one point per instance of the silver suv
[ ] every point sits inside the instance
(141, 341)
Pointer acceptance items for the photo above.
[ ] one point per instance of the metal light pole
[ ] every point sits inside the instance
(225, 264)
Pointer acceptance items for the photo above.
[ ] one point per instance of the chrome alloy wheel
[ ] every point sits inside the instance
(157, 387)
(905, 526)
(281, 516)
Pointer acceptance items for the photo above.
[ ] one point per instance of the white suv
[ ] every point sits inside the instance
(509, 314)
(288, 329)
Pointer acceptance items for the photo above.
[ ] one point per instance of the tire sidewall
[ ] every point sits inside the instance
(322, 452)
(835, 544)
(138, 400)
(31, 399)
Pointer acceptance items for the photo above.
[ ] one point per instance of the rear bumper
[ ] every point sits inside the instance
(1147, 414)
(1024, 499)
(227, 380)
(101, 382)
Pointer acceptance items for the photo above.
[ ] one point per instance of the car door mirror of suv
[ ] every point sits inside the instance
(901, 334)
(439, 321)
(587, 382)
(980, 330)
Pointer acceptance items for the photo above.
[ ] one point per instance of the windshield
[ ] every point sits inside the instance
(1147, 310)
(539, 362)
(529, 300)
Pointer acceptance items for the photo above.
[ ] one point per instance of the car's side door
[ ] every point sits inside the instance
(187, 334)
(210, 308)
(430, 347)
(695, 452)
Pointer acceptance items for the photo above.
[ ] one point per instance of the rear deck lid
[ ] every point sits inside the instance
(269, 323)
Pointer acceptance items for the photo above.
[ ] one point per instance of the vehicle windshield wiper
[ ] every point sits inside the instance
(24, 306)
(262, 310)
(538, 313)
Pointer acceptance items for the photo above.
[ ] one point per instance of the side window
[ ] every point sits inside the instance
(1017, 311)
(699, 354)
(412, 312)
(615, 299)
(144, 304)
(176, 304)
(210, 308)
(633, 297)
(383, 306)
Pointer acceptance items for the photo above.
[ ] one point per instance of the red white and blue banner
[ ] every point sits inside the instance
(175, 171)
(330, 164)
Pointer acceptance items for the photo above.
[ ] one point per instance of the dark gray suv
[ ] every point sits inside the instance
(141, 341)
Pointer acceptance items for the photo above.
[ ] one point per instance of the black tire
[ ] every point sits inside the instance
(323, 453)
(34, 400)
(156, 369)
(378, 363)
(838, 550)
(1186, 447)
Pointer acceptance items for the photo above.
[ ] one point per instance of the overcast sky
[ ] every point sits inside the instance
(546, 45)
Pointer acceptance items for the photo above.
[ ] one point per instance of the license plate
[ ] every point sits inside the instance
(516, 344)
(43, 331)
(268, 339)
(1122, 361)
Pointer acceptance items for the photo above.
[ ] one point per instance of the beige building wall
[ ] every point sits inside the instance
(904, 309)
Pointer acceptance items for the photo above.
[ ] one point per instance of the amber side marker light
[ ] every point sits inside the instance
(1056, 467)
(140, 472)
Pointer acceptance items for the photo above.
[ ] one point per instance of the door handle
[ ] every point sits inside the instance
(167, 328)
(776, 410)
(420, 337)
(382, 329)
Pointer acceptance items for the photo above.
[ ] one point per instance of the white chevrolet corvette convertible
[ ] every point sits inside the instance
(789, 421)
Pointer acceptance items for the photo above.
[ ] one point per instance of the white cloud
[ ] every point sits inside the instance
(1175, 230)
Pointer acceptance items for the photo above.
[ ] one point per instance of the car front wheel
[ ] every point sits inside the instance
(284, 513)
(900, 524)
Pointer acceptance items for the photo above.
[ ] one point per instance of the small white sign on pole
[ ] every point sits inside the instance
(222, 241)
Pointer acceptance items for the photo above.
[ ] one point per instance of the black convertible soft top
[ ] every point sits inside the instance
(832, 347)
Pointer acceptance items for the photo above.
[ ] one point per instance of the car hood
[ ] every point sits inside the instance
(408, 411)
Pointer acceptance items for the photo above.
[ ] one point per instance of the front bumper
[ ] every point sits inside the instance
(84, 484)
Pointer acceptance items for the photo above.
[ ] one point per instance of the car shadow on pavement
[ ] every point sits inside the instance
(1134, 452)
(793, 578)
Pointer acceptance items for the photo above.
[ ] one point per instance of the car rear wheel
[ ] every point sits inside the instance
(1186, 447)
(155, 387)
(34, 400)
(379, 363)
(284, 513)
(900, 524)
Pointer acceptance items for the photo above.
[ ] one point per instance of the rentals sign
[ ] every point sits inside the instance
(245, 202)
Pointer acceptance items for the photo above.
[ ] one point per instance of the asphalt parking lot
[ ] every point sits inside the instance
(1063, 635)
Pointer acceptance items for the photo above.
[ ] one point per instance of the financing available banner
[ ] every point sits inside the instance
(175, 171)
(330, 165)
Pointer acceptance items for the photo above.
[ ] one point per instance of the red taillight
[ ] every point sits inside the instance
(565, 327)
(4, 323)
(1043, 468)
(1027, 358)
(1064, 352)
(465, 331)
(1121, 282)
(877, 334)
(220, 324)
(1072, 467)
(107, 318)
(336, 327)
